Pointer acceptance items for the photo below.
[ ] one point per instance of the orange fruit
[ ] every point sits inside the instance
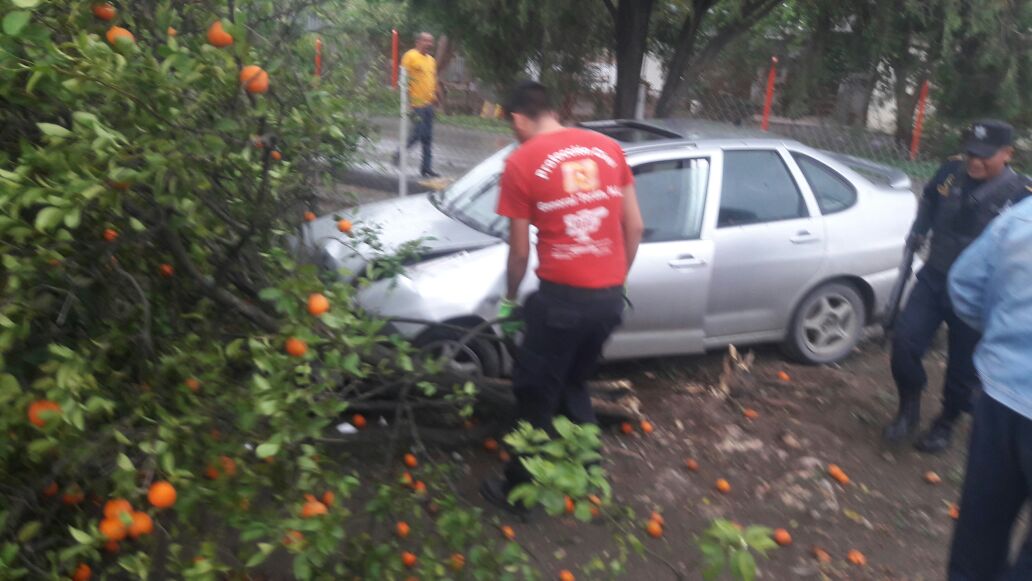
(593, 499)
(111, 547)
(40, 407)
(318, 304)
(296, 347)
(166, 270)
(142, 525)
(192, 383)
(654, 529)
(595, 512)
(565, 575)
(646, 426)
(408, 559)
(568, 505)
(293, 537)
(784, 376)
(171, 31)
(457, 562)
(358, 420)
(117, 33)
(406, 479)
(504, 456)
(328, 497)
(782, 537)
(626, 428)
(82, 573)
(402, 529)
(419, 487)
(657, 517)
(954, 511)
(856, 557)
(821, 555)
(750, 414)
(491, 445)
(229, 465)
(105, 12)
(73, 495)
(344, 226)
(110, 234)
(255, 81)
(217, 36)
(161, 494)
(932, 478)
(723, 486)
(50, 489)
(309, 216)
(837, 474)
(116, 506)
(410, 460)
(312, 507)
(508, 533)
(112, 529)
(276, 155)
(692, 464)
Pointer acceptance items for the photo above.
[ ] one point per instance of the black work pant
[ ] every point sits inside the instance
(423, 132)
(927, 309)
(565, 331)
(997, 482)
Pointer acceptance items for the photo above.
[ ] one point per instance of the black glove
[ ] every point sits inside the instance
(915, 241)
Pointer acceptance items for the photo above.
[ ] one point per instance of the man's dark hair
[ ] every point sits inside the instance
(529, 98)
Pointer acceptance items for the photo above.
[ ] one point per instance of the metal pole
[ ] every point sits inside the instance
(403, 135)
(394, 59)
(318, 57)
(768, 98)
(915, 142)
(639, 107)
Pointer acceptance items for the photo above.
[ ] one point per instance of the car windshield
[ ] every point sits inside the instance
(473, 199)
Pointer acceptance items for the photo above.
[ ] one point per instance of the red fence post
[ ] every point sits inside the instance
(394, 59)
(915, 141)
(768, 99)
(318, 57)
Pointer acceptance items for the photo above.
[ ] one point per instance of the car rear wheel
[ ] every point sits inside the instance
(827, 324)
(479, 357)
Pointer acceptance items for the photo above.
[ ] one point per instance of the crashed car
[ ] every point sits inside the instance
(750, 238)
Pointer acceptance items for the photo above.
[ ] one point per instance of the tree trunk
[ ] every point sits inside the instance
(631, 24)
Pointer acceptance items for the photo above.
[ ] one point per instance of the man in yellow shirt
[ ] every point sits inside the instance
(422, 92)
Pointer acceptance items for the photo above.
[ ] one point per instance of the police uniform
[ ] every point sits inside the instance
(956, 208)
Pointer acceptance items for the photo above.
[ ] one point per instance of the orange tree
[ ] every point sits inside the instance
(165, 389)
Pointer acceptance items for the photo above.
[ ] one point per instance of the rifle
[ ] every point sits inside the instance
(906, 269)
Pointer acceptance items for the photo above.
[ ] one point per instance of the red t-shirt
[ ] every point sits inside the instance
(569, 184)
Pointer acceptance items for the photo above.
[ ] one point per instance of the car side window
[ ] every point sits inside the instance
(833, 192)
(758, 188)
(672, 197)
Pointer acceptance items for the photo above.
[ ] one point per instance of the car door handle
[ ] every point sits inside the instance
(804, 237)
(686, 261)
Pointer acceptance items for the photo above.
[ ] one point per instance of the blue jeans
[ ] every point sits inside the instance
(926, 310)
(998, 480)
(423, 132)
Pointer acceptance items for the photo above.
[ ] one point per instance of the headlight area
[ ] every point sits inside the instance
(396, 297)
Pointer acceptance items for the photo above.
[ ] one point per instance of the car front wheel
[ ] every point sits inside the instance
(827, 324)
(478, 357)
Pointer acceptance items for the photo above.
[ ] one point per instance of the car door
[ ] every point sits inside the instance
(769, 247)
(669, 282)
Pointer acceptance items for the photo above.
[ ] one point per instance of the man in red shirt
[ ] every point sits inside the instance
(576, 188)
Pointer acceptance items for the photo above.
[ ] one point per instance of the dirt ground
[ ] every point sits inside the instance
(776, 465)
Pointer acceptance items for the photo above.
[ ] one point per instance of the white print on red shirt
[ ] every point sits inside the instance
(582, 186)
(544, 171)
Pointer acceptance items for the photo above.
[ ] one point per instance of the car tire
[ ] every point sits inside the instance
(478, 358)
(827, 325)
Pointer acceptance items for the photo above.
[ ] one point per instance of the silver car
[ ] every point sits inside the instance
(750, 238)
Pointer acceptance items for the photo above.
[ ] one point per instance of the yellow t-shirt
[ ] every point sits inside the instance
(422, 72)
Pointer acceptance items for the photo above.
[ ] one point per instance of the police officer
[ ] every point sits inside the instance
(575, 187)
(965, 195)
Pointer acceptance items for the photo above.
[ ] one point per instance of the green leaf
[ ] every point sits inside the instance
(267, 449)
(256, 560)
(81, 537)
(29, 530)
(26, 3)
(302, 569)
(72, 218)
(125, 463)
(48, 217)
(743, 565)
(53, 130)
(15, 21)
(136, 225)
